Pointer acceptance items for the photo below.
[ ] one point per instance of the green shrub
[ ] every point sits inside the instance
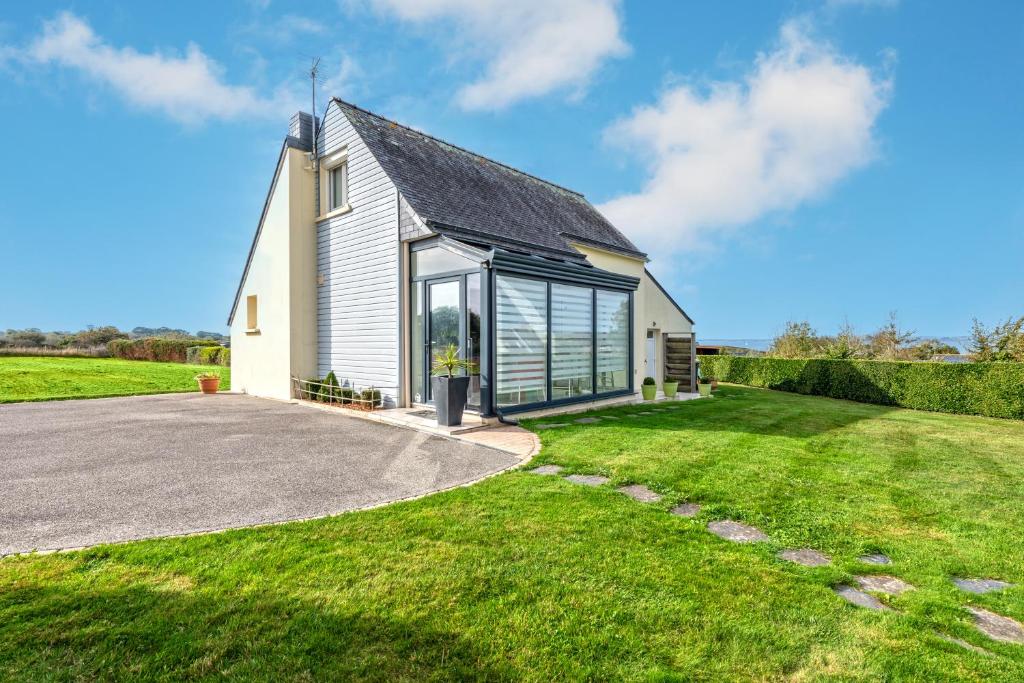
(371, 397)
(208, 355)
(155, 348)
(992, 389)
(649, 381)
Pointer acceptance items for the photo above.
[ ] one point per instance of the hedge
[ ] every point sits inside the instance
(154, 348)
(208, 355)
(991, 389)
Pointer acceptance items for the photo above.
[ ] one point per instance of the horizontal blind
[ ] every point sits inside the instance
(572, 335)
(612, 340)
(521, 340)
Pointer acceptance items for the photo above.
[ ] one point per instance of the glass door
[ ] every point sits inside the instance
(444, 319)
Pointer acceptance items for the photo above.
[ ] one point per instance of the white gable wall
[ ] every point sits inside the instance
(281, 276)
(358, 268)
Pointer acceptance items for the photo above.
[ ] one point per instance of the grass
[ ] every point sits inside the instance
(46, 379)
(529, 577)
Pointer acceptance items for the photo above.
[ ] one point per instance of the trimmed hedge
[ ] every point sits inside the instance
(208, 355)
(991, 389)
(155, 349)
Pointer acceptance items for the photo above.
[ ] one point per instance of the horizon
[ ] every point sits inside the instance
(680, 123)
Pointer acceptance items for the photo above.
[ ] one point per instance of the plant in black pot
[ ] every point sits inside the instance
(449, 390)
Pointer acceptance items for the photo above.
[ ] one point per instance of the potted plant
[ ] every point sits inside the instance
(670, 387)
(449, 390)
(209, 382)
(649, 388)
(704, 386)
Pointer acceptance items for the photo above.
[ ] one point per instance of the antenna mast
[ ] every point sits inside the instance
(314, 71)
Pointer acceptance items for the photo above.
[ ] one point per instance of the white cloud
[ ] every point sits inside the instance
(188, 88)
(798, 122)
(532, 47)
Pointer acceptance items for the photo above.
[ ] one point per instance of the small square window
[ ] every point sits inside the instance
(338, 184)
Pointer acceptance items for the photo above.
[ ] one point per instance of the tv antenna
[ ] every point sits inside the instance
(314, 72)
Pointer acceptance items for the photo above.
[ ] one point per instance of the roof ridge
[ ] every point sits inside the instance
(457, 147)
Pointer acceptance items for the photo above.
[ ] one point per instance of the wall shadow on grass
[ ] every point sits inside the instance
(146, 632)
(752, 411)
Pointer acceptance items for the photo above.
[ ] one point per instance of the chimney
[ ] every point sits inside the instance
(301, 128)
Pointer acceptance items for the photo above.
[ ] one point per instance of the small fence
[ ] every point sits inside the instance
(347, 394)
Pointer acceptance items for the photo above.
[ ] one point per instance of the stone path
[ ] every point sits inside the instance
(963, 643)
(889, 585)
(587, 420)
(860, 598)
(997, 627)
(805, 557)
(981, 586)
(686, 510)
(734, 531)
(640, 493)
(587, 479)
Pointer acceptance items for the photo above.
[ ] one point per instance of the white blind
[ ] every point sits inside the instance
(612, 340)
(521, 340)
(572, 334)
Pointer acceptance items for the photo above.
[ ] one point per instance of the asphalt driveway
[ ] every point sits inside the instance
(77, 473)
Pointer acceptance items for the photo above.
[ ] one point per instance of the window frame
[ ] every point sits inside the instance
(329, 165)
(585, 398)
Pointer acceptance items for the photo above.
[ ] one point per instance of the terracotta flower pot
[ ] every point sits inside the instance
(209, 385)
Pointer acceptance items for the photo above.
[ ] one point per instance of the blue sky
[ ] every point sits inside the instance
(827, 161)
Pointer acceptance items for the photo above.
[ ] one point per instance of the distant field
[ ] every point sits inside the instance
(46, 379)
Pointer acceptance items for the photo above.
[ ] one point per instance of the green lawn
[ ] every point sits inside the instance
(31, 378)
(530, 577)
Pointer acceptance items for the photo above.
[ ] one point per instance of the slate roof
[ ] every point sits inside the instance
(473, 198)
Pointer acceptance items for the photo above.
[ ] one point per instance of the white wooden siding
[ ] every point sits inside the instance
(357, 256)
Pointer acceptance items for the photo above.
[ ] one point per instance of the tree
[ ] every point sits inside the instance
(846, 344)
(95, 336)
(1003, 342)
(890, 342)
(926, 349)
(31, 336)
(798, 340)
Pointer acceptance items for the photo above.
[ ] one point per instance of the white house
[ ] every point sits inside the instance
(389, 244)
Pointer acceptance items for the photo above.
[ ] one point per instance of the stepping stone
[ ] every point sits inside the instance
(631, 415)
(805, 557)
(860, 598)
(552, 425)
(640, 493)
(587, 420)
(980, 586)
(889, 585)
(609, 417)
(686, 510)
(997, 627)
(645, 412)
(546, 469)
(875, 558)
(963, 643)
(734, 531)
(587, 479)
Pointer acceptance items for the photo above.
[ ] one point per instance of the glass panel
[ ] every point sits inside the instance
(417, 391)
(338, 186)
(612, 341)
(521, 343)
(472, 351)
(437, 260)
(572, 336)
(444, 316)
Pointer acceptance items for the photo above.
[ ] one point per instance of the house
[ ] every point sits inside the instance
(391, 244)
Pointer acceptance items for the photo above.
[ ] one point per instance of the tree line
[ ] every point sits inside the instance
(93, 336)
(1001, 342)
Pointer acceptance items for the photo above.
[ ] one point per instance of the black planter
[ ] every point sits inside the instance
(449, 398)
